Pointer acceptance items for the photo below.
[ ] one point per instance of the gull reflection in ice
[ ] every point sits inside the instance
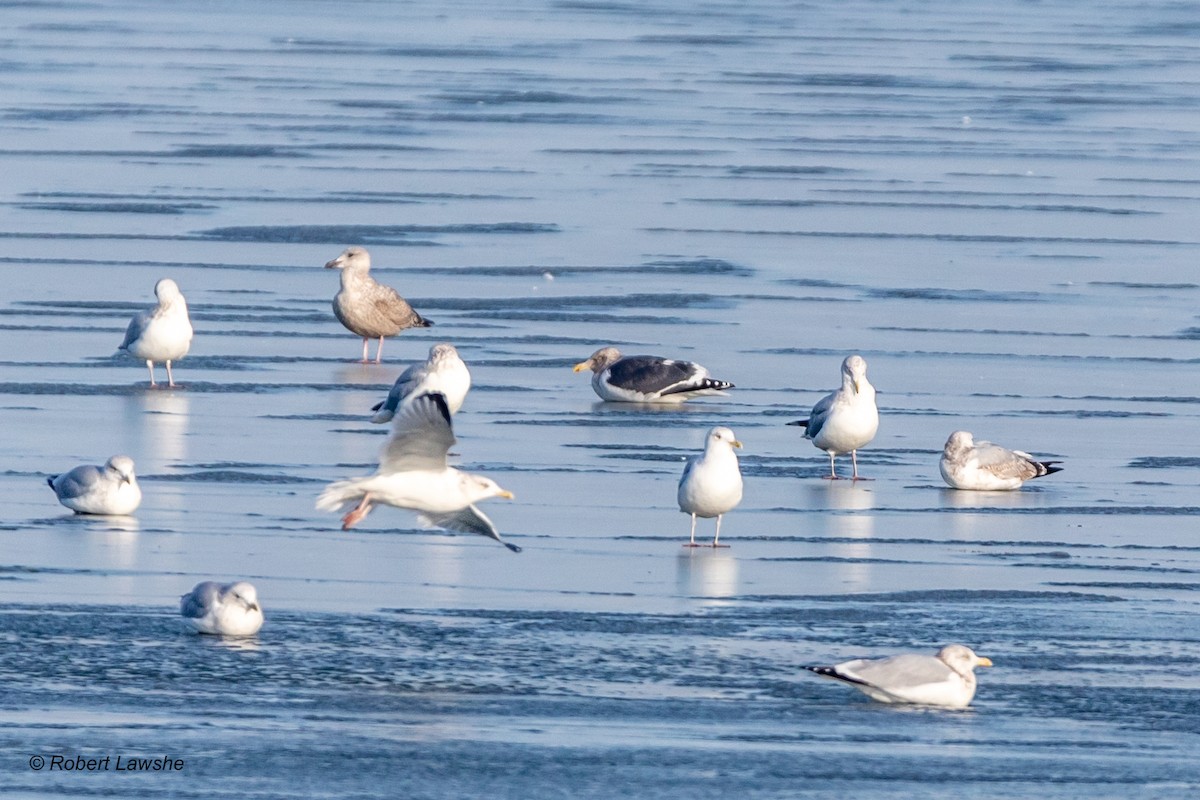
(851, 505)
(706, 573)
(966, 525)
(157, 423)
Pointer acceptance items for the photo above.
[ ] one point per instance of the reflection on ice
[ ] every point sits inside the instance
(846, 499)
(966, 525)
(706, 573)
(157, 422)
(850, 504)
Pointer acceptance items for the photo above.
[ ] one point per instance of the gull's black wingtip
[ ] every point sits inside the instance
(510, 546)
(439, 401)
(831, 672)
(803, 423)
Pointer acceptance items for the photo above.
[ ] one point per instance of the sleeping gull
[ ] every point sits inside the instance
(443, 372)
(413, 474)
(711, 484)
(845, 420)
(111, 489)
(367, 308)
(228, 610)
(947, 679)
(647, 379)
(968, 464)
(162, 333)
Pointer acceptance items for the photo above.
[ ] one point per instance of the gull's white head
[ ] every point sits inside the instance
(167, 292)
(721, 437)
(959, 442)
(244, 594)
(599, 360)
(352, 258)
(478, 488)
(962, 659)
(122, 467)
(854, 368)
(443, 353)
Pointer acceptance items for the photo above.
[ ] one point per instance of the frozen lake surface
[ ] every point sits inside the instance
(995, 206)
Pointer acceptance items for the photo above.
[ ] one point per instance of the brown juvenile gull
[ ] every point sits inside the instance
(413, 474)
(845, 420)
(162, 333)
(946, 679)
(367, 308)
(647, 379)
(711, 484)
(983, 466)
(442, 372)
(111, 489)
(229, 610)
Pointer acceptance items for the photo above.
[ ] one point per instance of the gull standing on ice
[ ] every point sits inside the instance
(947, 679)
(413, 474)
(647, 379)
(111, 489)
(968, 464)
(229, 610)
(367, 308)
(443, 372)
(711, 484)
(845, 420)
(162, 333)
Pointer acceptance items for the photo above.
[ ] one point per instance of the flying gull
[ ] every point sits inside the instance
(413, 474)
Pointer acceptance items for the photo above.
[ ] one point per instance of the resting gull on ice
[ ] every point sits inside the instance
(968, 464)
(367, 308)
(845, 420)
(946, 679)
(711, 484)
(111, 489)
(413, 474)
(162, 333)
(647, 379)
(443, 372)
(228, 610)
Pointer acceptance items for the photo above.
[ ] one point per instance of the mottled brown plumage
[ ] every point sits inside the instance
(366, 307)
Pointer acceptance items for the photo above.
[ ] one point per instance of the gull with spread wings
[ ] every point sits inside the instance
(413, 474)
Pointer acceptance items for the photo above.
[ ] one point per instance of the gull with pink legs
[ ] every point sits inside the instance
(711, 484)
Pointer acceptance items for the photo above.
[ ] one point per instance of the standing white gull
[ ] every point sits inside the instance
(162, 333)
(968, 464)
(228, 610)
(366, 307)
(946, 679)
(111, 489)
(647, 379)
(413, 474)
(443, 372)
(711, 484)
(845, 420)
